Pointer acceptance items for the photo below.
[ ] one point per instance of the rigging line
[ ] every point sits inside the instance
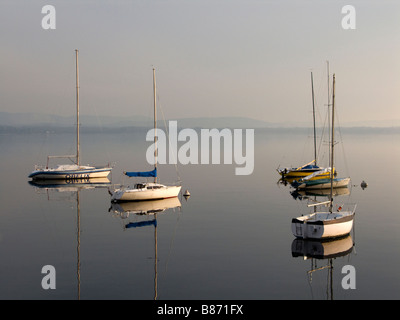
(169, 142)
(101, 126)
(344, 156)
(322, 138)
(342, 145)
(309, 281)
(318, 129)
(323, 120)
(316, 98)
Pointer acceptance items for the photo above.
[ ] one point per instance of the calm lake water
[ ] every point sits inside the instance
(231, 239)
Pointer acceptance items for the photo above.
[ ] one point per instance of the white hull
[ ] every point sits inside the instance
(323, 225)
(78, 173)
(140, 194)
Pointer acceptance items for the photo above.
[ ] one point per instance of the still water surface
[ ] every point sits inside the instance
(230, 240)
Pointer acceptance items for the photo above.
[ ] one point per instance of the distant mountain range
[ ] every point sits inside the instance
(51, 121)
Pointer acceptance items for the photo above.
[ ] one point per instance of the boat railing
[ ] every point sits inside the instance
(347, 207)
(39, 167)
(319, 203)
(54, 157)
(337, 207)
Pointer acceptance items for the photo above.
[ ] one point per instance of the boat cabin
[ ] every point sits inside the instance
(148, 186)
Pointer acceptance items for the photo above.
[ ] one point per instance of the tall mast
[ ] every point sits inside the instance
(77, 108)
(315, 136)
(329, 120)
(155, 124)
(333, 139)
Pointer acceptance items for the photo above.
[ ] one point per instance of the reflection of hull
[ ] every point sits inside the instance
(140, 194)
(54, 183)
(322, 249)
(323, 225)
(145, 207)
(81, 172)
(324, 183)
(70, 185)
(323, 192)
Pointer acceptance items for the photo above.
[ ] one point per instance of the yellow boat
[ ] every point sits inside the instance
(303, 171)
(311, 167)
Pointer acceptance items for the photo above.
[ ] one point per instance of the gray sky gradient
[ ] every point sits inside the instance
(248, 58)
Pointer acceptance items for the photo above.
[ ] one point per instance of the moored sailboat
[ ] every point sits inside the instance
(308, 183)
(147, 190)
(316, 180)
(328, 224)
(311, 167)
(74, 171)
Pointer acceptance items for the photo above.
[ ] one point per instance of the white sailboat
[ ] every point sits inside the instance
(328, 224)
(73, 171)
(147, 190)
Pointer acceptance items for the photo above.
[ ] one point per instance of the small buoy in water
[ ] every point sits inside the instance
(186, 194)
(364, 184)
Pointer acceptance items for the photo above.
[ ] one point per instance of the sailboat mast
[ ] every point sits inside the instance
(333, 139)
(329, 120)
(77, 108)
(155, 124)
(315, 136)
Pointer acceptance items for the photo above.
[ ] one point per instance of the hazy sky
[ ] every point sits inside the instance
(213, 58)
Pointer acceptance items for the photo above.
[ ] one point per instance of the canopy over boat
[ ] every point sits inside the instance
(152, 173)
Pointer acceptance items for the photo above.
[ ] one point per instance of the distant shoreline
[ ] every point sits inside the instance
(116, 130)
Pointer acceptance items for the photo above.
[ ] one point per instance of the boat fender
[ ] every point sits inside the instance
(364, 184)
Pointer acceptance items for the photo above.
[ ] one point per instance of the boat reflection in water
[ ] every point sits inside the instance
(324, 252)
(71, 187)
(145, 214)
(61, 185)
(150, 207)
(308, 194)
